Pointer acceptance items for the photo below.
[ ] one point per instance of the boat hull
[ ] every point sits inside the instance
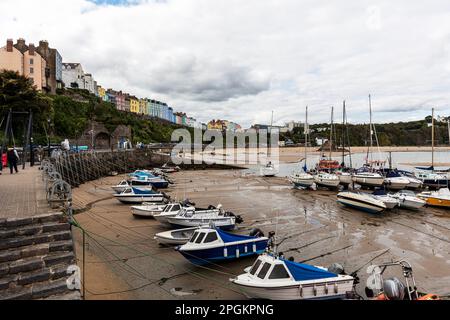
(360, 205)
(139, 199)
(436, 202)
(409, 204)
(313, 291)
(224, 253)
(225, 224)
(139, 212)
(368, 181)
(175, 237)
(345, 180)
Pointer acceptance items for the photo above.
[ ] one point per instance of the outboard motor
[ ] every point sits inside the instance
(336, 268)
(255, 232)
(394, 289)
(211, 207)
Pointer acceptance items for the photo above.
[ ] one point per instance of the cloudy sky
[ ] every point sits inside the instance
(241, 59)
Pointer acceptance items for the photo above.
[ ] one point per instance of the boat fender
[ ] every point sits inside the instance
(336, 288)
(300, 291)
(315, 290)
(255, 232)
(326, 288)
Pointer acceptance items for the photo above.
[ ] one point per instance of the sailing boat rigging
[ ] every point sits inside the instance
(325, 177)
(302, 179)
(345, 177)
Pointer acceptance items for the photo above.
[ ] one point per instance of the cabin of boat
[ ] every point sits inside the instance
(279, 279)
(213, 244)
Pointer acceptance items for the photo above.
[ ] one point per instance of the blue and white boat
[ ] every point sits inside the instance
(136, 196)
(275, 278)
(146, 178)
(210, 244)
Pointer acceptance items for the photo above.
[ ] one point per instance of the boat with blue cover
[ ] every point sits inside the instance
(210, 244)
(274, 278)
(137, 196)
(145, 178)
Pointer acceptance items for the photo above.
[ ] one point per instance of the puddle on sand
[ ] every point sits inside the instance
(178, 292)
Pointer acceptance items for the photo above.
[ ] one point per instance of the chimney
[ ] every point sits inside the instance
(32, 49)
(43, 44)
(9, 45)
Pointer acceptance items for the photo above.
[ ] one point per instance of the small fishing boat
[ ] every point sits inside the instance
(388, 201)
(301, 179)
(440, 198)
(162, 211)
(135, 196)
(142, 180)
(175, 237)
(210, 244)
(408, 200)
(327, 180)
(275, 278)
(147, 210)
(124, 184)
(361, 201)
(170, 210)
(432, 180)
(192, 218)
(165, 168)
(368, 179)
(268, 170)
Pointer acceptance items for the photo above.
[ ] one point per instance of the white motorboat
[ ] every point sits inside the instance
(361, 201)
(396, 183)
(268, 170)
(388, 201)
(170, 210)
(327, 180)
(414, 183)
(150, 210)
(408, 200)
(277, 279)
(137, 196)
(175, 237)
(124, 184)
(192, 218)
(301, 179)
(368, 179)
(147, 210)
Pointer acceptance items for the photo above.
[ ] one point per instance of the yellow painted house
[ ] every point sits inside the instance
(143, 106)
(101, 92)
(134, 104)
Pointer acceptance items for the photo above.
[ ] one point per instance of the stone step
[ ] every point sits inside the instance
(47, 273)
(41, 290)
(33, 229)
(9, 269)
(39, 219)
(35, 250)
(23, 241)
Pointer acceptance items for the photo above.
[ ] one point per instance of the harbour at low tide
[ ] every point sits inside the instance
(124, 261)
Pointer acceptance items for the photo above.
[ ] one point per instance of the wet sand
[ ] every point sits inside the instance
(123, 256)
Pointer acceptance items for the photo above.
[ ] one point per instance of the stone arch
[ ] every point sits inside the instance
(102, 141)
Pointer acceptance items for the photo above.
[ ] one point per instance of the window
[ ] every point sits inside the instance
(255, 267)
(279, 272)
(265, 268)
(31, 70)
(211, 237)
(31, 61)
(176, 208)
(194, 236)
(200, 237)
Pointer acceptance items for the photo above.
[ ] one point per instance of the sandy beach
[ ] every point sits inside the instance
(124, 261)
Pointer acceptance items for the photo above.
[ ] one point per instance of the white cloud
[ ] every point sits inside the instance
(242, 59)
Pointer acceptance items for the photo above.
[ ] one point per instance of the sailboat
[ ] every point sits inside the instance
(367, 175)
(345, 177)
(301, 178)
(430, 178)
(269, 170)
(325, 178)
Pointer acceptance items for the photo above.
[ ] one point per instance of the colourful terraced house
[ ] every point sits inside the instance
(143, 106)
(134, 104)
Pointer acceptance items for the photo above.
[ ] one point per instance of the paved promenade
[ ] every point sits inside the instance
(22, 194)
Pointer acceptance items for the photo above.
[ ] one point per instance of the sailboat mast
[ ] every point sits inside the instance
(331, 132)
(432, 138)
(370, 126)
(343, 134)
(306, 136)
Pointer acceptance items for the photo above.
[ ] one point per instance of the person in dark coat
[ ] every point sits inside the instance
(13, 157)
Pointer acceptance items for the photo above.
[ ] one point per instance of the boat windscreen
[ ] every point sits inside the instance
(255, 267)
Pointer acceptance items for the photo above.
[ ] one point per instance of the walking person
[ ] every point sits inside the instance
(13, 158)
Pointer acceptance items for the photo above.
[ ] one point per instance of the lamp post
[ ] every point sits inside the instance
(48, 138)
